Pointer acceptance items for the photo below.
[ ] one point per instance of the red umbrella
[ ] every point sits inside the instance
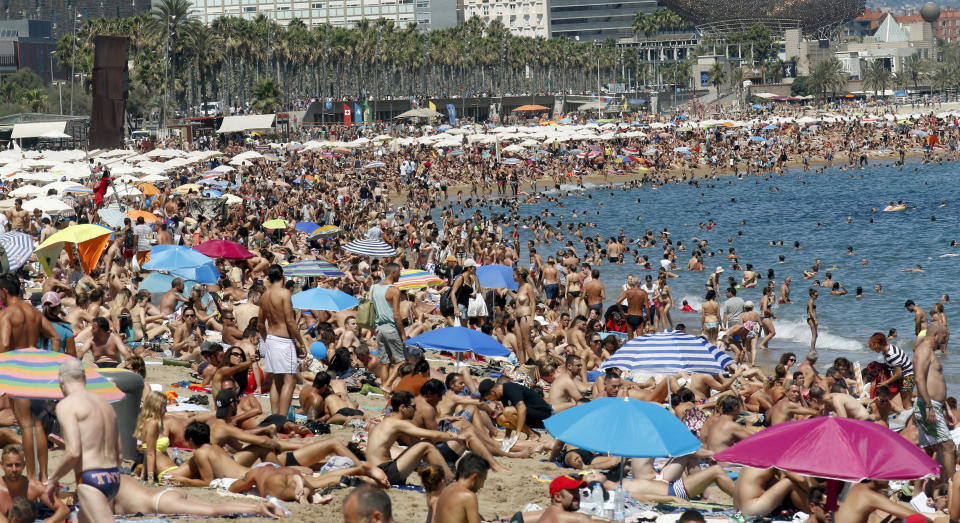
(840, 449)
(224, 249)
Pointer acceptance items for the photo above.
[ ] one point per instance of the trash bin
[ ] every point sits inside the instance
(127, 409)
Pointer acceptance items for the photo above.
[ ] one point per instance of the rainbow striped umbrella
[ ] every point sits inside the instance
(34, 374)
(415, 279)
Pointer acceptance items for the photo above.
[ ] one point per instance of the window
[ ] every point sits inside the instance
(250, 9)
(317, 5)
(372, 10)
(353, 11)
(423, 5)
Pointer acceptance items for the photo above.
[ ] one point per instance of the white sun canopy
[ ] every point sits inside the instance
(248, 122)
(37, 129)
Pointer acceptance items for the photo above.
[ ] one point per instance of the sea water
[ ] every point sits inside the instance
(806, 207)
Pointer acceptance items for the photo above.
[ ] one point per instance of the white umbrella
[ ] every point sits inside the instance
(224, 169)
(27, 191)
(48, 205)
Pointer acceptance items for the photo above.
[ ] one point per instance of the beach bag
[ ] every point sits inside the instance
(446, 304)
(367, 314)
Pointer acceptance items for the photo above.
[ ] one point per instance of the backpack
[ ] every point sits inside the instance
(446, 304)
(367, 313)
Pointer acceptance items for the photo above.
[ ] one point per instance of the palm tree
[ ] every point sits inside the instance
(717, 75)
(35, 99)
(171, 19)
(876, 77)
(913, 67)
(266, 96)
(828, 76)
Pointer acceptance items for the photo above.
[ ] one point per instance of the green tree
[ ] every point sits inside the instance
(800, 86)
(876, 77)
(913, 68)
(266, 96)
(828, 76)
(717, 75)
(35, 99)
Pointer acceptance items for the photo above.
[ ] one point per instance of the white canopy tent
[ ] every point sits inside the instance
(37, 129)
(248, 122)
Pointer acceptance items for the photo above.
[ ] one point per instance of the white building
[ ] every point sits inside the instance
(427, 14)
(521, 17)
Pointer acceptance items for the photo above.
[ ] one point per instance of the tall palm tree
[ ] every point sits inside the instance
(913, 67)
(171, 19)
(266, 96)
(717, 75)
(876, 77)
(828, 76)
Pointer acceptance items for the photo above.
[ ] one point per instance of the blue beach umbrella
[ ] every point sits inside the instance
(623, 427)
(307, 227)
(460, 339)
(320, 299)
(497, 276)
(170, 257)
(159, 283)
(669, 352)
(757, 139)
(769, 127)
(206, 274)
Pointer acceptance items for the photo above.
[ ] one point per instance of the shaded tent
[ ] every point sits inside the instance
(421, 112)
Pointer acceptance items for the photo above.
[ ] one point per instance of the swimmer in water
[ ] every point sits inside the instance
(916, 268)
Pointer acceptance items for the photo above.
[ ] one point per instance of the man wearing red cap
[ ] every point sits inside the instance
(564, 501)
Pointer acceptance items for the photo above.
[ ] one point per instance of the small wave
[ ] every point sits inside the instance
(693, 300)
(799, 332)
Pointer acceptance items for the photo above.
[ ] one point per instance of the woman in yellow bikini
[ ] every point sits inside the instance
(153, 438)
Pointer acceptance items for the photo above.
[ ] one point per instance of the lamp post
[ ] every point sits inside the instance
(51, 66)
(73, 55)
(59, 84)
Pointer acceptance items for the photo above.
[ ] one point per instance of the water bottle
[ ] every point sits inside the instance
(279, 504)
(596, 496)
(619, 504)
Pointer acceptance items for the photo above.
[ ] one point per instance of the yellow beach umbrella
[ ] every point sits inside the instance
(189, 187)
(276, 223)
(90, 240)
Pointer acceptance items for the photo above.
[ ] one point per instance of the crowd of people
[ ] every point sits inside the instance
(447, 213)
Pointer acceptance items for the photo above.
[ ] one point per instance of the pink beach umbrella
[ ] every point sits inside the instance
(839, 449)
(224, 249)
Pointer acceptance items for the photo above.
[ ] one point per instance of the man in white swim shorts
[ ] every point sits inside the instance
(280, 340)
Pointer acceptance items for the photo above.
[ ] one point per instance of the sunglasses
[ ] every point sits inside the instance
(237, 354)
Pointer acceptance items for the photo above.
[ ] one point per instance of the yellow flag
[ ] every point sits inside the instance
(432, 106)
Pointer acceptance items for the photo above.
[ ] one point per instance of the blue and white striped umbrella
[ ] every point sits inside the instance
(308, 268)
(112, 217)
(19, 247)
(370, 247)
(668, 352)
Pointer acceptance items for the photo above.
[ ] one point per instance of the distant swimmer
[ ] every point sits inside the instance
(894, 207)
(915, 268)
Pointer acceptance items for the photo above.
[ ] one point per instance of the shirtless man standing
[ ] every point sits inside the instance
(636, 307)
(785, 290)
(789, 406)
(89, 429)
(564, 391)
(929, 405)
(458, 502)
(19, 217)
(594, 292)
(281, 340)
(20, 327)
(551, 282)
(919, 318)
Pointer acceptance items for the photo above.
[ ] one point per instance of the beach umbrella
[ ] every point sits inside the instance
(35, 374)
(18, 246)
(511, 161)
(531, 107)
(275, 224)
(148, 189)
(374, 165)
(189, 187)
(173, 257)
(769, 127)
(836, 448)
(326, 230)
(415, 279)
(148, 217)
(307, 227)
(207, 274)
(623, 427)
(211, 193)
(757, 139)
(496, 276)
(321, 299)
(668, 352)
(48, 205)
(919, 132)
(232, 199)
(112, 217)
(682, 149)
(460, 339)
(224, 249)
(312, 268)
(159, 283)
(370, 247)
(90, 241)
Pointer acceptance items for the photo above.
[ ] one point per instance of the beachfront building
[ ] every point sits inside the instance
(427, 14)
(61, 13)
(521, 17)
(595, 20)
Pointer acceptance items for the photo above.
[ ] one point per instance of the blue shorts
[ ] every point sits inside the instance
(552, 290)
